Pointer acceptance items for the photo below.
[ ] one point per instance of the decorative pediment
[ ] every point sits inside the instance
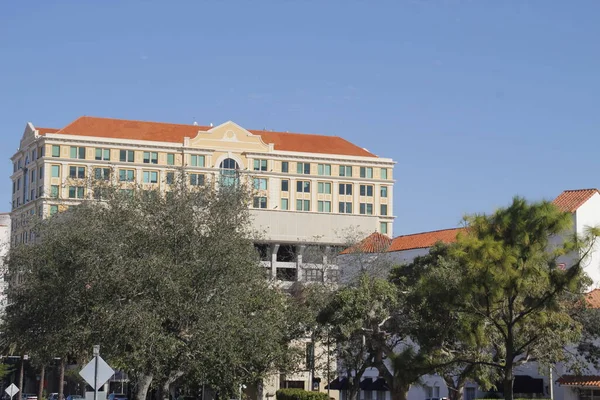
(29, 135)
(229, 136)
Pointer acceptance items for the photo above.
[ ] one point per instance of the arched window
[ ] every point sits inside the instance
(229, 172)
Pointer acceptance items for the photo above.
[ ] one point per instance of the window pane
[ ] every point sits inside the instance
(55, 171)
(384, 209)
(285, 185)
(284, 166)
(384, 173)
(170, 159)
(73, 152)
(284, 204)
(298, 205)
(55, 151)
(299, 168)
(98, 154)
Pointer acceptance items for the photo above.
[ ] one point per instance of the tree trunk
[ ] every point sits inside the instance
(166, 387)
(353, 387)
(259, 390)
(42, 379)
(508, 381)
(399, 392)
(61, 380)
(144, 382)
(456, 387)
(21, 371)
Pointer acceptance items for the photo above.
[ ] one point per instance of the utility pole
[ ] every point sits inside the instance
(96, 357)
(551, 384)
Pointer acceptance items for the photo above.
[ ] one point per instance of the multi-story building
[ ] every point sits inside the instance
(311, 190)
(4, 247)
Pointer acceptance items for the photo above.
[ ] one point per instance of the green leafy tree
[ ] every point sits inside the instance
(168, 285)
(515, 299)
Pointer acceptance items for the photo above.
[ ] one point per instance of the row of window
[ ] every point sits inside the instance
(322, 169)
(322, 187)
(104, 154)
(322, 206)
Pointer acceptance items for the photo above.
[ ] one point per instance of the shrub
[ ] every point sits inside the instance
(299, 394)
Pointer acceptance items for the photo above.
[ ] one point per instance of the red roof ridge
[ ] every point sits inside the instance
(570, 200)
(434, 231)
(424, 240)
(133, 120)
(174, 133)
(374, 243)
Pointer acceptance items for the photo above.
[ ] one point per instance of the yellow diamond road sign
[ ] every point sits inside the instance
(104, 372)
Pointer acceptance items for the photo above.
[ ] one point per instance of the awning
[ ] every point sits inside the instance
(525, 384)
(592, 381)
(376, 385)
(338, 384)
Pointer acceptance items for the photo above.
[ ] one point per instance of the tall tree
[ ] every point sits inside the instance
(166, 284)
(510, 288)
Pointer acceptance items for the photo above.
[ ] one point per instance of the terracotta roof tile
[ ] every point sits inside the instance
(309, 143)
(571, 200)
(374, 243)
(43, 131)
(174, 133)
(583, 380)
(424, 240)
(593, 298)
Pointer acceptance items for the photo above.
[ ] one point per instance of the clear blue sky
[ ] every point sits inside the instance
(477, 100)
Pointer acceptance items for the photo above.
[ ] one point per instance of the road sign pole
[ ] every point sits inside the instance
(96, 357)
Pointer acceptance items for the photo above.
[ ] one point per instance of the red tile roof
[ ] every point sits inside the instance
(174, 133)
(571, 200)
(374, 243)
(43, 131)
(593, 298)
(424, 240)
(583, 380)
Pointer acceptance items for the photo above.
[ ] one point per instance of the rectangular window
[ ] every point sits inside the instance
(345, 189)
(324, 169)
(78, 152)
(170, 178)
(76, 192)
(345, 207)
(102, 174)
(126, 156)
(303, 186)
(384, 209)
(384, 191)
(285, 166)
(260, 184)
(54, 191)
(313, 275)
(14, 187)
(19, 184)
(77, 172)
(33, 154)
(303, 168)
(366, 172)
(302, 205)
(260, 202)
(324, 206)
(260, 165)
(170, 159)
(285, 185)
(150, 157)
(41, 173)
(126, 175)
(32, 194)
(285, 204)
(55, 150)
(366, 190)
(366, 208)
(384, 173)
(196, 179)
(103, 154)
(53, 210)
(196, 161)
(55, 171)
(42, 152)
(32, 178)
(383, 228)
(324, 187)
(150, 177)
(346, 170)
